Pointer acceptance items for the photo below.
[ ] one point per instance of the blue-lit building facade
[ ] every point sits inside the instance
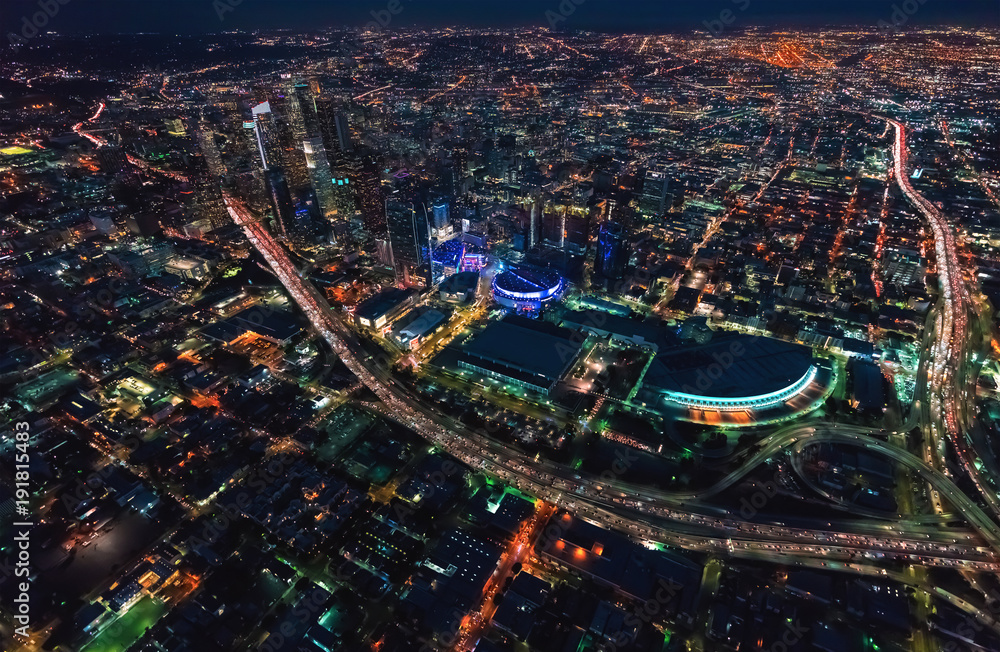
(527, 290)
(612, 254)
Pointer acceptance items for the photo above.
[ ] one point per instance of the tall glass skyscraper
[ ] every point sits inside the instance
(612, 254)
(306, 124)
(409, 236)
(287, 222)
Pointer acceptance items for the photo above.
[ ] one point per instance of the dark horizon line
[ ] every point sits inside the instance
(866, 26)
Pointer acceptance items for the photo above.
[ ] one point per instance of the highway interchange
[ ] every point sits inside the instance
(674, 519)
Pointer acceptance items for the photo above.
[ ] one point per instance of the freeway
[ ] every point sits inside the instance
(949, 356)
(100, 142)
(590, 498)
(945, 487)
(662, 518)
(547, 479)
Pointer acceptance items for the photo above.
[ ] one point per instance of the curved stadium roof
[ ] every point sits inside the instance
(527, 283)
(730, 367)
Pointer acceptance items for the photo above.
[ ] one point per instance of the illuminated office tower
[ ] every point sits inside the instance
(409, 236)
(306, 126)
(554, 225)
(335, 127)
(371, 201)
(577, 228)
(441, 210)
(326, 112)
(266, 135)
(612, 254)
(656, 198)
(287, 223)
(322, 178)
(534, 225)
(206, 141)
(343, 132)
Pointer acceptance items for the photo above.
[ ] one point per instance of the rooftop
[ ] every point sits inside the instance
(526, 345)
(729, 366)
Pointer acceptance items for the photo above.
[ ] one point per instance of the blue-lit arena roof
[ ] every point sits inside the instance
(525, 285)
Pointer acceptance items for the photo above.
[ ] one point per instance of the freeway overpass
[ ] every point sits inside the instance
(590, 498)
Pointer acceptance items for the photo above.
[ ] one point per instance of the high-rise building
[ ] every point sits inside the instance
(286, 221)
(206, 141)
(344, 133)
(577, 231)
(409, 236)
(534, 235)
(656, 189)
(612, 254)
(291, 224)
(326, 113)
(320, 175)
(208, 202)
(368, 187)
(295, 105)
(344, 198)
(265, 133)
(441, 210)
(449, 178)
(306, 127)
(554, 225)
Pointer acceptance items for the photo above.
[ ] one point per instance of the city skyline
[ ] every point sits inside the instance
(640, 16)
(383, 337)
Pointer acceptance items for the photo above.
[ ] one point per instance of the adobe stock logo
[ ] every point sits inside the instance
(566, 9)
(32, 25)
(901, 14)
(707, 377)
(726, 18)
(749, 508)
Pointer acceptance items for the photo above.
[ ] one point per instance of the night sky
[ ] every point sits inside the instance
(198, 16)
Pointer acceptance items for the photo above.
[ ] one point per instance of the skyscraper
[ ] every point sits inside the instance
(656, 188)
(409, 236)
(266, 135)
(554, 225)
(286, 221)
(306, 125)
(577, 230)
(441, 208)
(612, 254)
(343, 128)
(206, 141)
(326, 113)
(320, 175)
(368, 187)
(345, 181)
(534, 236)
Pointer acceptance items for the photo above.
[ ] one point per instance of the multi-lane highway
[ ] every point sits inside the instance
(949, 356)
(689, 525)
(646, 514)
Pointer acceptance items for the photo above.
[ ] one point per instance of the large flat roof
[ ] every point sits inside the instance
(276, 324)
(729, 366)
(522, 344)
(611, 323)
(423, 323)
(382, 303)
